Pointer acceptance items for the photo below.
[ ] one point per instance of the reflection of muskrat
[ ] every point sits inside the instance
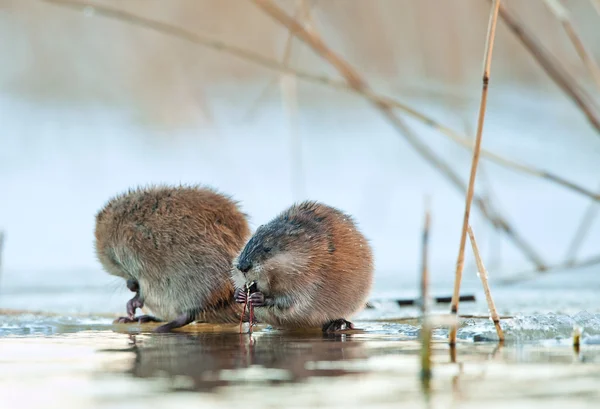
(311, 267)
(202, 359)
(174, 246)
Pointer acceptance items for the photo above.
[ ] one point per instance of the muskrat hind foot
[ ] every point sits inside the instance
(182, 320)
(142, 319)
(124, 320)
(337, 325)
(147, 318)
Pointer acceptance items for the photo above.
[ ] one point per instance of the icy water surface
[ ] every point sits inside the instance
(55, 361)
(70, 355)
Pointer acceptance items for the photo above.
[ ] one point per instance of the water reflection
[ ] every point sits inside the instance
(204, 361)
(380, 366)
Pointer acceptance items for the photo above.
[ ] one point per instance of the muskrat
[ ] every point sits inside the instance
(174, 247)
(308, 267)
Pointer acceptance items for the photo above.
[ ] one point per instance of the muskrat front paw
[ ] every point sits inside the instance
(240, 296)
(257, 299)
(133, 305)
(337, 325)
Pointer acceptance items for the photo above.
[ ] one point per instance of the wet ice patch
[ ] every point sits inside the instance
(523, 328)
(34, 324)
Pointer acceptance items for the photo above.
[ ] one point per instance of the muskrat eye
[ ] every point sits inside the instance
(266, 249)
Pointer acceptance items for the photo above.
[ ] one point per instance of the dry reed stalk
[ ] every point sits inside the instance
(501, 317)
(426, 328)
(288, 83)
(426, 335)
(562, 15)
(497, 349)
(596, 4)
(271, 64)
(564, 18)
(494, 157)
(495, 241)
(463, 141)
(581, 233)
(452, 351)
(576, 338)
(491, 34)
(405, 302)
(290, 105)
(483, 275)
(384, 104)
(355, 81)
(552, 67)
(527, 275)
(287, 55)
(424, 260)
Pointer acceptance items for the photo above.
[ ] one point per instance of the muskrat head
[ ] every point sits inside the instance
(275, 253)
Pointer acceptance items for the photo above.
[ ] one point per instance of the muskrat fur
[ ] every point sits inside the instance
(174, 247)
(310, 266)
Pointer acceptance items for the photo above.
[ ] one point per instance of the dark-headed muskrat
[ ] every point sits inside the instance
(310, 267)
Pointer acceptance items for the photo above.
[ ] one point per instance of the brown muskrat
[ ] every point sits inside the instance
(308, 267)
(174, 246)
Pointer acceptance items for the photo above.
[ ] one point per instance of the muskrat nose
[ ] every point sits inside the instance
(244, 266)
(133, 285)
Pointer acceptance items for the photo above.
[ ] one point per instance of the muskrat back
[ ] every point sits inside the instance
(174, 246)
(311, 267)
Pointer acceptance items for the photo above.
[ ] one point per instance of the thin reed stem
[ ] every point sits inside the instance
(282, 67)
(491, 34)
(528, 275)
(552, 66)
(495, 241)
(463, 141)
(386, 105)
(288, 84)
(564, 18)
(483, 275)
(577, 340)
(424, 260)
(290, 105)
(581, 233)
(355, 81)
(285, 61)
(576, 337)
(596, 4)
(426, 327)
